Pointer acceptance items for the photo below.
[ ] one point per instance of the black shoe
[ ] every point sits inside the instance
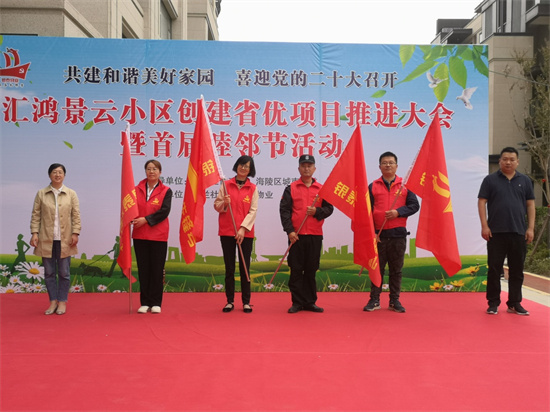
(228, 308)
(492, 310)
(247, 308)
(294, 309)
(372, 304)
(517, 309)
(314, 308)
(396, 306)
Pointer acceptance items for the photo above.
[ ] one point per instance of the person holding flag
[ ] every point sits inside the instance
(150, 236)
(391, 203)
(302, 215)
(237, 203)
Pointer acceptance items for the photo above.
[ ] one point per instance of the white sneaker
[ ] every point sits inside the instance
(143, 309)
(155, 309)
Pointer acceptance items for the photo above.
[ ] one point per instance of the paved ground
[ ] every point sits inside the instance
(530, 293)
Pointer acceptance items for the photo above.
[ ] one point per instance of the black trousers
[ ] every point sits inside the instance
(229, 248)
(303, 259)
(150, 257)
(391, 251)
(499, 247)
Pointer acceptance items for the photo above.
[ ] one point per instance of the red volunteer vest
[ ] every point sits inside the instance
(383, 200)
(241, 199)
(302, 197)
(158, 232)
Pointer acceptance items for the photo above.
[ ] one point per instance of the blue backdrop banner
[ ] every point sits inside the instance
(68, 100)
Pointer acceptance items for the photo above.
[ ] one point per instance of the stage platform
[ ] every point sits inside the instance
(444, 354)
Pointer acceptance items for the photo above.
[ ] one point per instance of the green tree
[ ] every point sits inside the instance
(535, 121)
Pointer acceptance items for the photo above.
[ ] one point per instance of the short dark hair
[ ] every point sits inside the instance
(387, 154)
(155, 162)
(55, 166)
(244, 160)
(509, 149)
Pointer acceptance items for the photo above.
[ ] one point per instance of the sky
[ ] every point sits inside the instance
(338, 21)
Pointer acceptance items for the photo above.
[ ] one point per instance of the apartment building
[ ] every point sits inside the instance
(120, 19)
(508, 27)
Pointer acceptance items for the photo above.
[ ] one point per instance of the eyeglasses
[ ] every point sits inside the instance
(58, 172)
(387, 163)
(244, 166)
(154, 169)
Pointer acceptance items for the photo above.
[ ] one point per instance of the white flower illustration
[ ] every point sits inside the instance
(31, 270)
(11, 288)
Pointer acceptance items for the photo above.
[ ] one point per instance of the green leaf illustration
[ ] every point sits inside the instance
(17, 124)
(436, 52)
(466, 54)
(458, 71)
(485, 52)
(405, 53)
(425, 50)
(440, 91)
(421, 69)
(378, 94)
(481, 66)
(479, 50)
(70, 146)
(89, 125)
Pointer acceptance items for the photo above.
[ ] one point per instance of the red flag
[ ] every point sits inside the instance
(203, 171)
(428, 179)
(128, 209)
(347, 189)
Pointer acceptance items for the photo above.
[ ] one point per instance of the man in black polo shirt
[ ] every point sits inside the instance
(504, 198)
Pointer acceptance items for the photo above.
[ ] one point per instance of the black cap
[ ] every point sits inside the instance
(307, 159)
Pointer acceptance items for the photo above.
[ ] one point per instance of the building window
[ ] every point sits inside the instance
(488, 28)
(165, 22)
(127, 32)
(501, 16)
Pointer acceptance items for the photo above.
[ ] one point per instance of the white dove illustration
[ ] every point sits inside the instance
(466, 96)
(434, 81)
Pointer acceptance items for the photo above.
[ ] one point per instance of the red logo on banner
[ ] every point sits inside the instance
(13, 70)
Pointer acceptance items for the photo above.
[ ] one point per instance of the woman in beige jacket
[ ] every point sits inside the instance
(55, 227)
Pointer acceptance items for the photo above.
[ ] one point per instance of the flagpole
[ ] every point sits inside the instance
(289, 246)
(128, 212)
(129, 229)
(235, 227)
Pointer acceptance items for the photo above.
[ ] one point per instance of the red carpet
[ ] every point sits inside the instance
(444, 354)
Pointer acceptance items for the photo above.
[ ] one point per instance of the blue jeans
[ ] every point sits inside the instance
(57, 273)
